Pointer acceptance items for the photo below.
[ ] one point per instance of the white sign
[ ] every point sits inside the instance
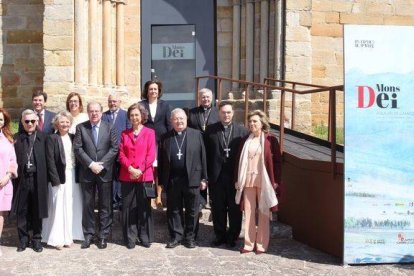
(173, 51)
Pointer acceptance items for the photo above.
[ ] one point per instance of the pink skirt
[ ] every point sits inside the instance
(6, 195)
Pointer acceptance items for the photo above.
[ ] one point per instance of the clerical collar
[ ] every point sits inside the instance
(205, 108)
(179, 133)
(226, 126)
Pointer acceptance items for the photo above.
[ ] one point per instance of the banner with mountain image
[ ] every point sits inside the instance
(379, 144)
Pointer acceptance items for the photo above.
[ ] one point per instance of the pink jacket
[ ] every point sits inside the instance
(139, 152)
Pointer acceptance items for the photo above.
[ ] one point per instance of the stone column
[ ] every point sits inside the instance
(120, 44)
(81, 42)
(264, 39)
(235, 70)
(106, 41)
(249, 40)
(93, 43)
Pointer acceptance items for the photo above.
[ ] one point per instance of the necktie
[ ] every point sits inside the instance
(95, 134)
(40, 123)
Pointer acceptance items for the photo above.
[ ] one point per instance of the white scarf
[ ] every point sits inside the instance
(267, 197)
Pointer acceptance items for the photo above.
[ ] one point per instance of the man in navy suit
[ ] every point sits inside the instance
(44, 124)
(117, 117)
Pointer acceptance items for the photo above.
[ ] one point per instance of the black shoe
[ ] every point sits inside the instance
(190, 244)
(102, 244)
(130, 245)
(22, 247)
(37, 246)
(218, 242)
(231, 243)
(172, 244)
(86, 244)
(146, 244)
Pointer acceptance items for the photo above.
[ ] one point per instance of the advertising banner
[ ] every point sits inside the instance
(379, 144)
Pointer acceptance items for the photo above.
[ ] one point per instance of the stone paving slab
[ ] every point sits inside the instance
(285, 257)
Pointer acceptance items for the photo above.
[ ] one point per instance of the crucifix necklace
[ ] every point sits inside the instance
(29, 155)
(179, 154)
(226, 141)
(204, 117)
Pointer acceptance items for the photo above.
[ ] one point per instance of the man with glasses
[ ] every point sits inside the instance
(118, 118)
(96, 147)
(31, 198)
(44, 124)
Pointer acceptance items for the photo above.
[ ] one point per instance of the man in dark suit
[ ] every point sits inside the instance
(44, 124)
(116, 117)
(206, 114)
(96, 147)
(183, 172)
(30, 200)
(202, 116)
(222, 142)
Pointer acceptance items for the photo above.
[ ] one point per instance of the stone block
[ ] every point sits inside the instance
(322, 5)
(399, 20)
(225, 12)
(224, 39)
(318, 71)
(305, 18)
(342, 6)
(405, 8)
(381, 9)
(58, 27)
(24, 36)
(318, 17)
(332, 17)
(292, 18)
(327, 43)
(13, 22)
(58, 42)
(59, 12)
(58, 73)
(225, 25)
(332, 30)
(323, 56)
(298, 48)
(297, 33)
(299, 5)
(360, 19)
(14, 9)
(58, 58)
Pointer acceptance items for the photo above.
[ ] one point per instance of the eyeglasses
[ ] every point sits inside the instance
(73, 101)
(29, 121)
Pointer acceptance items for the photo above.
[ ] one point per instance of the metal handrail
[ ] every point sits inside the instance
(283, 89)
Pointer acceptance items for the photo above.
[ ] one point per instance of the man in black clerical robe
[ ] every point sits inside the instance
(31, 190)
(222, 141)
(183, 172)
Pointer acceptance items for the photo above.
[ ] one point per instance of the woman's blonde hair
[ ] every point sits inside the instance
(263, 119)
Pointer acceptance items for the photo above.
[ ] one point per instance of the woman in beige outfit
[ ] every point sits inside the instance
(258, 176)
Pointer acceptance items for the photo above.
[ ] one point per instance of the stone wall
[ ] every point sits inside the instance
(328, 18)
(21, 55)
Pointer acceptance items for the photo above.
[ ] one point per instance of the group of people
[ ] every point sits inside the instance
(59, 161)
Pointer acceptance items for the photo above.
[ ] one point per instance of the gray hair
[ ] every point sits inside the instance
(176, 111)
(29, 112)
(204, 91)
(115, 95)
(92, 103)
(61, 114)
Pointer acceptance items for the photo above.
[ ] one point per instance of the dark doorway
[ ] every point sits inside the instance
(178, 43)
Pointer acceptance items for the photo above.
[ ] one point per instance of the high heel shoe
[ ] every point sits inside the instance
(244, 251)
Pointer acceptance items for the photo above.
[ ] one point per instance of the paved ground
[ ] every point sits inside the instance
(285, 257)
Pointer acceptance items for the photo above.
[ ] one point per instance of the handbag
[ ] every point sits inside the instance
(150, 191)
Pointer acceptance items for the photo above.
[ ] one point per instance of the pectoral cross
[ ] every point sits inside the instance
(179, 154)
(204, 127)
(227, 152)
(29, 164)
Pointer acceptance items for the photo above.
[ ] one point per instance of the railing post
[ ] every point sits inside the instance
(332, 128)
(282, 120)
(292, 126)
(219, 95)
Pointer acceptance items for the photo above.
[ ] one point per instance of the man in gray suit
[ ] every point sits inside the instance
(96, 147)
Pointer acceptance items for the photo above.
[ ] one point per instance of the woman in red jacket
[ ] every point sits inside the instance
(258, 176)
(136, 155)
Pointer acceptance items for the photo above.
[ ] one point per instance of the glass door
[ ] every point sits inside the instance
(173, 62)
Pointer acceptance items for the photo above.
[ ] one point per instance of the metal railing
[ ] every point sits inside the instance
(283, 87)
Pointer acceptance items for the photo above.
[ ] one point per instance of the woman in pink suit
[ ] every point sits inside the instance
(136, 155)
(8, 166)
(258, 179)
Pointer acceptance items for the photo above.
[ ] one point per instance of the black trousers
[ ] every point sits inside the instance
(136, 213)
(28, 211)
(223, 204)
(182, 225)
(104, 208)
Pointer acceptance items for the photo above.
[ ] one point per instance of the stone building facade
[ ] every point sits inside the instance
(94, 47)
